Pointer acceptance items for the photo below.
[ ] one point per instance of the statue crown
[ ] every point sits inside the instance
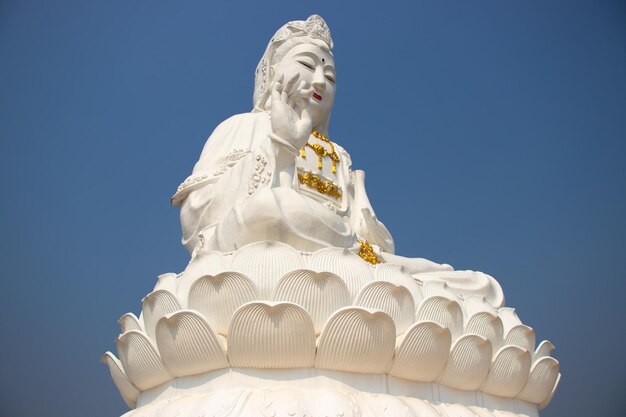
(314, 27)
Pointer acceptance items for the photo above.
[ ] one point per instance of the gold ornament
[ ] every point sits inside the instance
(366, 252)
(321, 152)
(323, 187)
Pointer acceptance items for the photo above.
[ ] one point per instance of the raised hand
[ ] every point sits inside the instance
(291, 119)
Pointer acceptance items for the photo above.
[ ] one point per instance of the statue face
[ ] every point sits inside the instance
(316, 67)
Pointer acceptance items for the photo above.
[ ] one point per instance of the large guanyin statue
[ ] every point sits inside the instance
(293, 302)
(273, 173)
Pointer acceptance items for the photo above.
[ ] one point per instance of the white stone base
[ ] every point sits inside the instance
(314, 392)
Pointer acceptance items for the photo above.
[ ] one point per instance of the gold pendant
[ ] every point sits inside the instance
(366, 252)
(321, 152)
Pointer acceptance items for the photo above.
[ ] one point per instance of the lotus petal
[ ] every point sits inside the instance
(265, 263)
(523, 408)
(141, 360)
(468, 363)
(475, 304)
(320, 294)
(436, 288)
(509, 318)
(129, 392)
(423, 352)
(522, 336)
(486, 325)
(509, 372)
(444, 311)
(465, 284)
(156, 305)
(166, 282)
(357, 340)
(396, 274)
(271, 335)
(354, 270)
(542, 380)
(547, 400)
(545, 348)
(188, 345)
(390, 298)
(219, 296)
(129, 322)
(203, 263)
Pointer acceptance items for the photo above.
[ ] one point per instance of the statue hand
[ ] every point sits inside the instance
(291, 120)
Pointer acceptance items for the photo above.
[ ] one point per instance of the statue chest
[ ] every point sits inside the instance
(321, 175)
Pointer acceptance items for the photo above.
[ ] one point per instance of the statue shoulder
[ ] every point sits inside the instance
(241, 132)
(231, 141)
(239, 121)
(343, 155)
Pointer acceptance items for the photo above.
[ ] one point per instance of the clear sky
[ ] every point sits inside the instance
(493, 134)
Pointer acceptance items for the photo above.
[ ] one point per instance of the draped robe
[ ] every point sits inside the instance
(232, 199)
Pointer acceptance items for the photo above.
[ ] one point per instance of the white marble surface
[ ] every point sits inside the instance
(314, 392)
(277, 314)
(269, 306)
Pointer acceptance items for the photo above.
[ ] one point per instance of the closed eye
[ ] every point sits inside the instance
(330, 78)
(309, 65)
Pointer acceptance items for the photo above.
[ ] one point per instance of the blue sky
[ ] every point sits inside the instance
(493, 134)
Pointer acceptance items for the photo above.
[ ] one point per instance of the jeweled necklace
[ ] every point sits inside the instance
(321, 152)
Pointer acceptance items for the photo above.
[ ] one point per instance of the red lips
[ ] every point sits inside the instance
(317, 96)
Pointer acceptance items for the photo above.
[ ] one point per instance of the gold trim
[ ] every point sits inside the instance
(366, 252)
(321, 152)
(323, 187)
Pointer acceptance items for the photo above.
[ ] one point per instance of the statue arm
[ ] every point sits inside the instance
(290, 126)
(367, 226)
(230, 141)
(363, 218)
(241, 137)
(285, 155)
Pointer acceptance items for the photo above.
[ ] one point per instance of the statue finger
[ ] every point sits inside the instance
(291, 82)
(295, 96)
(305, 125)
(284, 96)
(305, 116)
(276, 91)
(305, 92)
(296, 91)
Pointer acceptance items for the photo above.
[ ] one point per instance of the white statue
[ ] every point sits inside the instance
(273, 174)
(276, 315)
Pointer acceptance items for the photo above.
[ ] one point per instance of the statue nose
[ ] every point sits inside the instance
(319, 82)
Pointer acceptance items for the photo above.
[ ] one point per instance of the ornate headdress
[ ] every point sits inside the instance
(314, 27)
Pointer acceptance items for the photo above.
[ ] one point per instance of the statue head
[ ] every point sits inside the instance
(303, 47)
